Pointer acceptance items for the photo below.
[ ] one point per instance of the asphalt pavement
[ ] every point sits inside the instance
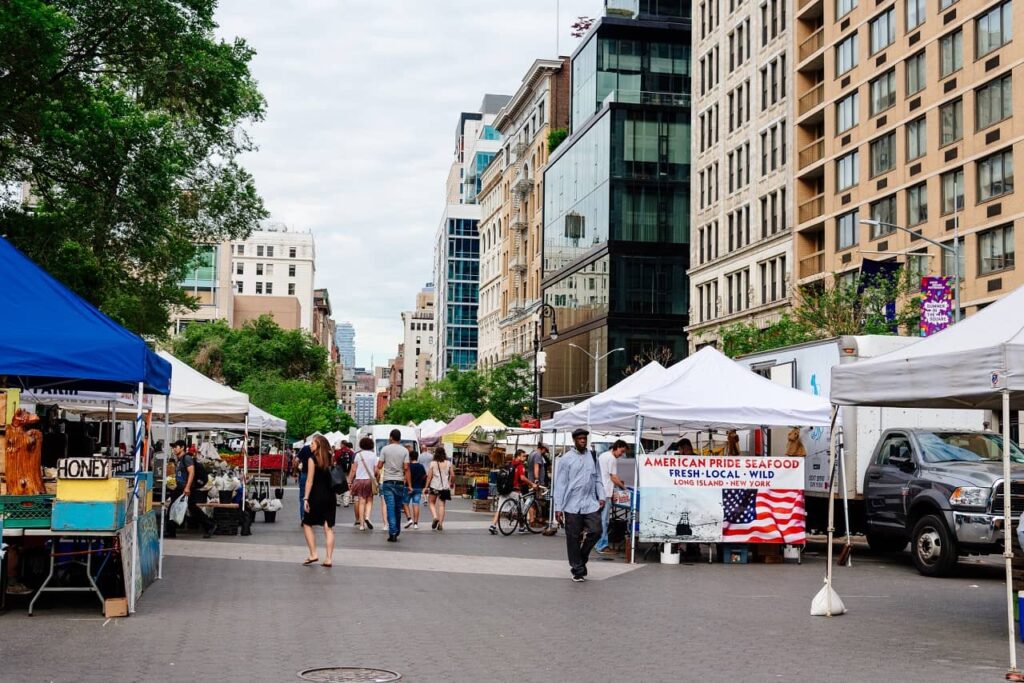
(464, 605)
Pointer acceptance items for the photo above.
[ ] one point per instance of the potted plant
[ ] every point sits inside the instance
(270, 507)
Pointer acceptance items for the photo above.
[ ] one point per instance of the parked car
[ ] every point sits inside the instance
(941, 491)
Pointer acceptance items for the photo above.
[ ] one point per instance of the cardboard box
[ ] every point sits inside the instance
(88, 490)
(115, 607)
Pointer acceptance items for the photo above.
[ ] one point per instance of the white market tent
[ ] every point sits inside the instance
(259, 420)
(709, 391)
(641, 381)
(976, 363)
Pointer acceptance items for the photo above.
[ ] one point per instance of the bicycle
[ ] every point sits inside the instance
(524, 512)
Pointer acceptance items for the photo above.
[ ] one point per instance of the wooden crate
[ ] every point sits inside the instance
(481, 506)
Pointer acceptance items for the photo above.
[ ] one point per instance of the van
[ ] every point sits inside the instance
(381, 434)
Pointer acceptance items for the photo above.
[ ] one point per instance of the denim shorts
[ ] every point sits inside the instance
(416, 497)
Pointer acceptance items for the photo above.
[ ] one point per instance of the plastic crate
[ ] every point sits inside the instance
(27, 512)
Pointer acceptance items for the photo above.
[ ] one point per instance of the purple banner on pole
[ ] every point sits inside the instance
(936, 304)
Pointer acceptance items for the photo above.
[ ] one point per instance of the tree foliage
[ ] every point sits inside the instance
(506, 391)
(124, 119)
(556, 136)
(307, 406)
(864, 304)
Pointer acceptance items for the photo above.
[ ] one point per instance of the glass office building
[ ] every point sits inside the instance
(459, 292)
(616, 204)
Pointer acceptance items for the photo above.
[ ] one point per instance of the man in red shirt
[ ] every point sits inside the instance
(520, 484)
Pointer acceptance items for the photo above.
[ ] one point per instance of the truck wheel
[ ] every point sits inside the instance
(882, 543)
(933, 547)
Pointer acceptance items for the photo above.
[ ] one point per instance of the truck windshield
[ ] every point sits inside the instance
(381, 443)
(965, 447)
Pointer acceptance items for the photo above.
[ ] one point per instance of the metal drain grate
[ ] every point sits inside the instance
(349, 674)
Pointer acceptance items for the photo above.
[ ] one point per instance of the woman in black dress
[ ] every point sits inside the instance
(320, 501)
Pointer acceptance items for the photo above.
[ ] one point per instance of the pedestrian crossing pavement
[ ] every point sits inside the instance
(394, 558)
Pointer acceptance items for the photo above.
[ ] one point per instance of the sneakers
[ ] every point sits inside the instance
(578, 579)
(408, 524)
(433, 525)
(493, 529)
(392, 539)
(368, 525)
(416, 526)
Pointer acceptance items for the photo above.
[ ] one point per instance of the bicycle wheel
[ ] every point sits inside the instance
(508, 517)
(535, 522)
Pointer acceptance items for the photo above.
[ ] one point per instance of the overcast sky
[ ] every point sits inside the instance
(362, 101)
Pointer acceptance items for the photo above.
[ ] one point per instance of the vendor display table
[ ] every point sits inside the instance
(90, 538)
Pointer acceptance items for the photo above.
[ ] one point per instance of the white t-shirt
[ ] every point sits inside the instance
(366, 463)
(609, 465)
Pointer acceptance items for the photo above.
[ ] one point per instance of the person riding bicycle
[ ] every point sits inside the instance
(520, 485)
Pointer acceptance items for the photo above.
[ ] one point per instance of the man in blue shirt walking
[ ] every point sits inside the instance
(578, 499)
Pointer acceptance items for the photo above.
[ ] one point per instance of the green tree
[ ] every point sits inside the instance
(556, 136)
(125, 119)
(863, 304)
(417, 405)
(259, 347)
(464, 391)
(510, 390)
(307, 406)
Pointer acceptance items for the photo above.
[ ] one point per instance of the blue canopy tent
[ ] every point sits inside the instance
(61, 342)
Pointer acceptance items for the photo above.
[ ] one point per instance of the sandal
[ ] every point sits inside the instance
(324, 564)
(310, 560)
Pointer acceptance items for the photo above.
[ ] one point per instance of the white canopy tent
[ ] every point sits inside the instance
(641, 381)
(976, 363)
(709, 391)
(258, 419)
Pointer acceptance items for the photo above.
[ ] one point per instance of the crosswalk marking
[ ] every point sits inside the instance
(393, 559)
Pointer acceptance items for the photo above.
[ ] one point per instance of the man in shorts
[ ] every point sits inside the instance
(418, 479)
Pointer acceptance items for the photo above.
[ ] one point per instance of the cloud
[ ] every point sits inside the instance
(363, 97)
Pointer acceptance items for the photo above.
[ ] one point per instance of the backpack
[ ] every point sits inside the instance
(199, 475)
(504, 480)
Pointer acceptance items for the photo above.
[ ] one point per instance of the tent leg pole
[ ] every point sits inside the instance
(163, 479)
(831, 511)
(140, 435)
(554, 464)
(846, 497)
(634, 503)
(1007, 533)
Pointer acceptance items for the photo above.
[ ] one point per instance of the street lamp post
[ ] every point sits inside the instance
(545, 311)
(597, 364)
(954, 250)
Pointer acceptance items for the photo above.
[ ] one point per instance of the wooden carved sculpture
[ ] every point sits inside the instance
(24, 456)
(794, 445)
(732, 442)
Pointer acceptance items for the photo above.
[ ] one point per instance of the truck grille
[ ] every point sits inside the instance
(1016, 498)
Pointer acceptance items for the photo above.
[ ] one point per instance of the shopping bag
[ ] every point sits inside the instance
(178, 510)
(339, 480)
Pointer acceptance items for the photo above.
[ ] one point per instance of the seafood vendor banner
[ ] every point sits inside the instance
(721, 499)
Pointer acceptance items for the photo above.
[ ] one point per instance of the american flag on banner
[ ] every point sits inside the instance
(764, 516)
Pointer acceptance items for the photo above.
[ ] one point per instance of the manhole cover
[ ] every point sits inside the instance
(349, 674)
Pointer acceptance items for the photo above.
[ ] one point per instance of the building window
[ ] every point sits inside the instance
(291, 289)
(259, 287)
(259, 250)
(915, 13)
(291, 271)
(846, 230)
(847, 112)
(951, 121)
(844, 7)
(953, 191)
(259, 269)
(239, 268)
(945, 4)
(240, 249)
(291, 252)
(994, 28)
(917, 204)
(270, 252)
(993, 102)
(951, 52)
(916, 75)
(846, 170)
(269, 287)
(995, 250)
(917, 141)
(883, 211)
(238, 287)
(995, 175)
(846, 55)
(883, 154)
(883, 92)
(270, 270)
(883, 30)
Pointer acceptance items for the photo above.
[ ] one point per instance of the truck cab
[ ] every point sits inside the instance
(941, 491)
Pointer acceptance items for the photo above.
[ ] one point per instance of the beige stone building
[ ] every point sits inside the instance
(904, 115)
(741, 238)
(512, 201)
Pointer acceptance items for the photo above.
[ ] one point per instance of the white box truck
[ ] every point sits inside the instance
(808, 367)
